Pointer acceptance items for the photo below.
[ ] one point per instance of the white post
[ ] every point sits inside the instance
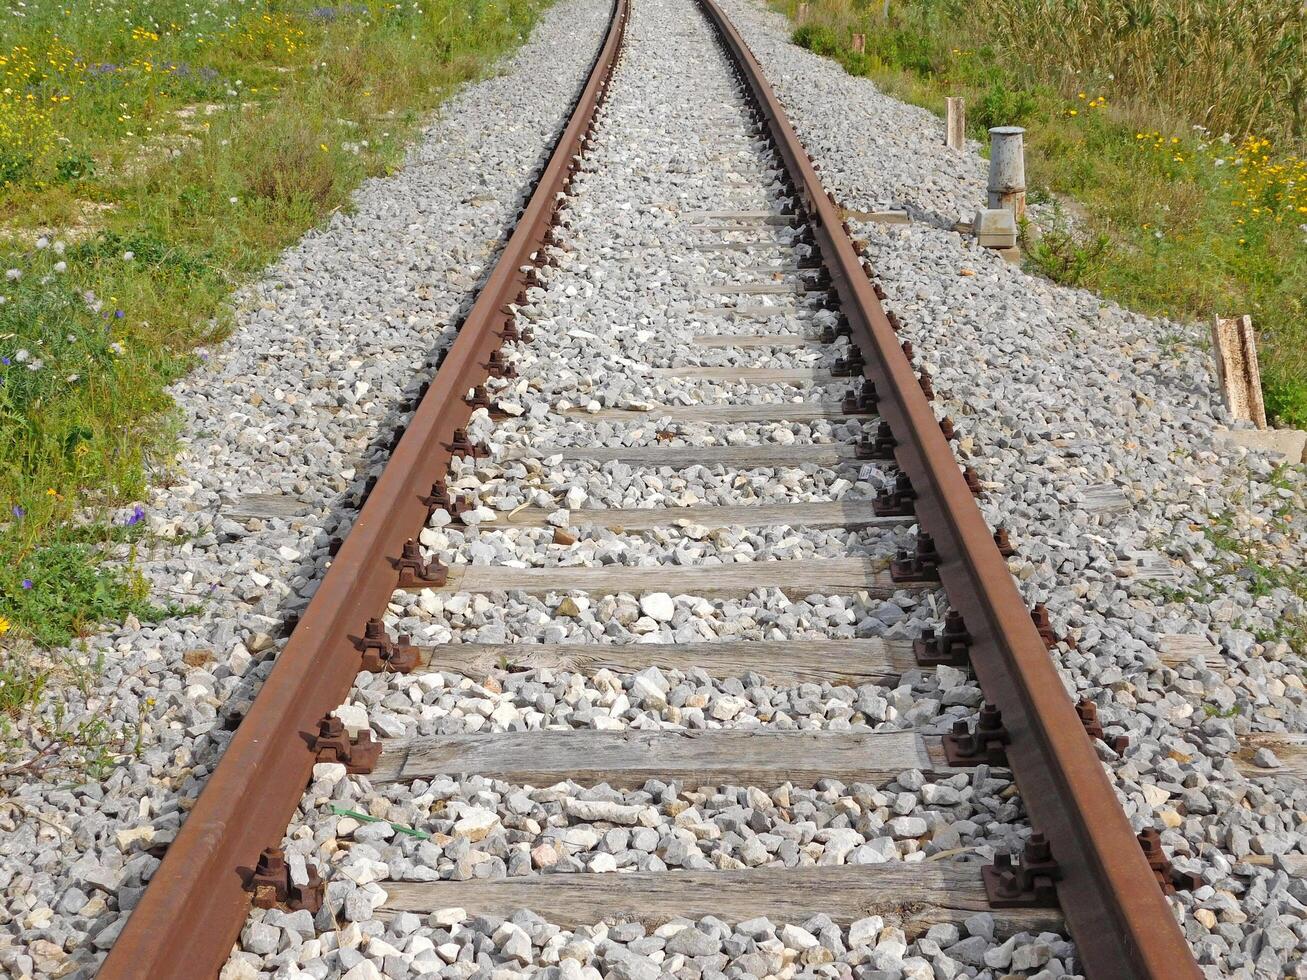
(955, 123)
(1235, 349)
(1007, 170)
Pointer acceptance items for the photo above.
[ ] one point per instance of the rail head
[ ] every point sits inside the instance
(1121, 921)
(195, 904)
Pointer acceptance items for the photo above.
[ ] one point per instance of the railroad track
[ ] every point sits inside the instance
(754, 477)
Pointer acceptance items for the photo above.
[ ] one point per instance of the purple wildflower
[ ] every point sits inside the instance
(5, 361)
(19, 512)
(118, 314)
(27, 583)
(138, 515)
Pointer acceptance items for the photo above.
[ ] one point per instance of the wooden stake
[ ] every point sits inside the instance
(1235, 349)
(1007, 170)
(803, 12)
(859, 43)
(955, 123)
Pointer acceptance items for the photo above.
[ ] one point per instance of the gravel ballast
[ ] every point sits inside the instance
(1058, 392)
(1063, 400)
(624, 301)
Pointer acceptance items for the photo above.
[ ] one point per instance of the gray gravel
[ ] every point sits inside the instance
(449, 943)
(622, 302)
(1139, 415)
(326, 348)
(269, 415)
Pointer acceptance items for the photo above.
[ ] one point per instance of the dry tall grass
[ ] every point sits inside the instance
(1234, 66)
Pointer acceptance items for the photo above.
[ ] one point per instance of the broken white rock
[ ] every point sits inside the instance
(353, 716)
(605, 810)
(475, 823)
(658, 606)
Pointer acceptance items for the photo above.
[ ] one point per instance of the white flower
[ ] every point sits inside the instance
(14, 274)
(128, 256)
(43, 242)
(61, 267)
(232, 200)
(36, 365)
(21, 355)
(59, 248)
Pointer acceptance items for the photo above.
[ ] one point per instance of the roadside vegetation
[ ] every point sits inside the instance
(154, 155)
(1170, 135)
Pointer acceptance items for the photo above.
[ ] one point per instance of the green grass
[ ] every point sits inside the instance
(1254, 555)
(154, 155)
(1169, 218)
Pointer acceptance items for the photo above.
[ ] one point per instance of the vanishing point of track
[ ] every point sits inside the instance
(1085, 859)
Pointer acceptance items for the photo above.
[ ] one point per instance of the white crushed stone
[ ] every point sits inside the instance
(622, 302)
(1057, 392)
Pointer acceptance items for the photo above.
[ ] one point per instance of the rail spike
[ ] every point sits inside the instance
(274, 882)
(414, 570)
(332, 743)
(381, 653)
(950, 647)
(1028, 882)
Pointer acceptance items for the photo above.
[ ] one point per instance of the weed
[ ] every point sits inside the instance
(1003, 106)
(1061, 255)
(150, 163)
(36, 743)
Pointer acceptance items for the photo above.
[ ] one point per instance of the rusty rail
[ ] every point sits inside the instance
(197, 902)
(1111, 899)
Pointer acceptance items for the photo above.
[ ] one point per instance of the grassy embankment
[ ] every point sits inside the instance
(154, 154)
(1174, 130)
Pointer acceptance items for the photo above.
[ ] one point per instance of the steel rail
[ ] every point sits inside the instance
(196, 904)
(1113, 905)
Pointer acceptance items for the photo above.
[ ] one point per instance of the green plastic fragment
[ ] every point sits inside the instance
(340, 811)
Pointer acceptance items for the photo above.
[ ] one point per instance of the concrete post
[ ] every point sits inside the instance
(1007, 169)
(955, 123)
